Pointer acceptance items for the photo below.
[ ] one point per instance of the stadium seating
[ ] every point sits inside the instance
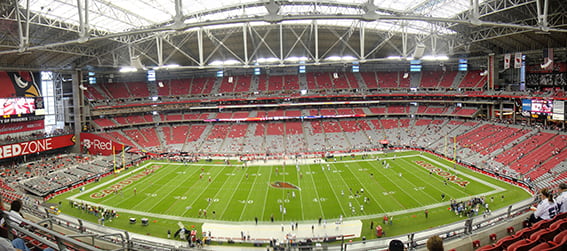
(522, 245)
(473, 79)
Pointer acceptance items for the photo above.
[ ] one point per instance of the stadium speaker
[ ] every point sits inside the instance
(419, 50)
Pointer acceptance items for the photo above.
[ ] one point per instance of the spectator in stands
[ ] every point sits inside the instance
(546, 209)
(435, 243)
(17, 244)
(562, 198)
(14, 212)
(396, 245)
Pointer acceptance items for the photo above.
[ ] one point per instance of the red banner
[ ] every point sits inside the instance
(35, 146)
(21, 127)
(95, 144)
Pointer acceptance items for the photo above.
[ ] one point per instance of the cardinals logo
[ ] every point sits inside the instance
(284, 185)
(25, 84)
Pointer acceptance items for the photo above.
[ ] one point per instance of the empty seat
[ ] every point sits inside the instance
(507, 241)
(493, 237)
(522, 245)
(491, 247)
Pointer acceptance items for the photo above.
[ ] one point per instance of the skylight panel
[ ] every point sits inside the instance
(396, 5)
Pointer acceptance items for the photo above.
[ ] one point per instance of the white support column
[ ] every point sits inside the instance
(316, 31)
(159, 48)
(475, 13)
(434, 44)
(362, 40)
(542, 14)
(83, 10)
(245, 41)
(200, 46)
(281, 44)
(23, 30)
(178, 19)
(404, 40)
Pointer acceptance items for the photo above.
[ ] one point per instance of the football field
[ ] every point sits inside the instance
(347, 187)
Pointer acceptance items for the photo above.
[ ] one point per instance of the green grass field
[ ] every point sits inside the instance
(171, 192)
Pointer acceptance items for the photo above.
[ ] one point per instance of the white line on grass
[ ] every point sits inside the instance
(249, 194)
(436, 177)
(266, 195)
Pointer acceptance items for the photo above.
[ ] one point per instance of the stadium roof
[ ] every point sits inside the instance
(70, 34)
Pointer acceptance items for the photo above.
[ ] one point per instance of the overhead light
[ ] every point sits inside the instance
(267, 60)
(296, 59)
(128, 69)
(226, 62)
(435, 58)
(394, 57)
(343, 58)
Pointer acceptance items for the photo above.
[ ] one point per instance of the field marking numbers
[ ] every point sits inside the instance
(319, 200)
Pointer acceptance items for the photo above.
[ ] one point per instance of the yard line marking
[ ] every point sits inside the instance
(266, 195)
(249, 194)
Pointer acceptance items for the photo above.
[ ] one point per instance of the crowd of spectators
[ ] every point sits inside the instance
(11, 138)
(101, 213)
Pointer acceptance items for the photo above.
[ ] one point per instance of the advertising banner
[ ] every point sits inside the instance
(94, 144)
(35, 146)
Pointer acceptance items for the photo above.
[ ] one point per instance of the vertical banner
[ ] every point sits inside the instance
(491, 70)
(507, 58)
(518, 60)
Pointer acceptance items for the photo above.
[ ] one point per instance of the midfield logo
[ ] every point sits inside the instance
(284, 185)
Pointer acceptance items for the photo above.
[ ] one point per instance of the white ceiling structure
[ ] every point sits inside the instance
(70, 34)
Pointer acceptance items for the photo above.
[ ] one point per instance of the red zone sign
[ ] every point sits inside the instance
(124, 183)
(444, 174)
(35, 146)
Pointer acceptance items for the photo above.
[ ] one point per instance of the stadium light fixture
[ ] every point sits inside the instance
(435, 58)
(343, 58)
(394, 57)
(125, 69)
(226, 62)
(267, 60)
(296, 59)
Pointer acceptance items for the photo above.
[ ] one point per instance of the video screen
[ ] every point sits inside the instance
(540, 106)
(17, 106)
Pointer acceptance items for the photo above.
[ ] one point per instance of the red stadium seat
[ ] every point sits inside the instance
(491, 247)
(542, 224)
(544, 245)
(522, 245)
(506, 241)
(476, 243)
(560, 216)
(545, 234)
(510, 230)
(561, 224)
(559, 237)
(559, 246)
(526, 233)
(493, 237)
